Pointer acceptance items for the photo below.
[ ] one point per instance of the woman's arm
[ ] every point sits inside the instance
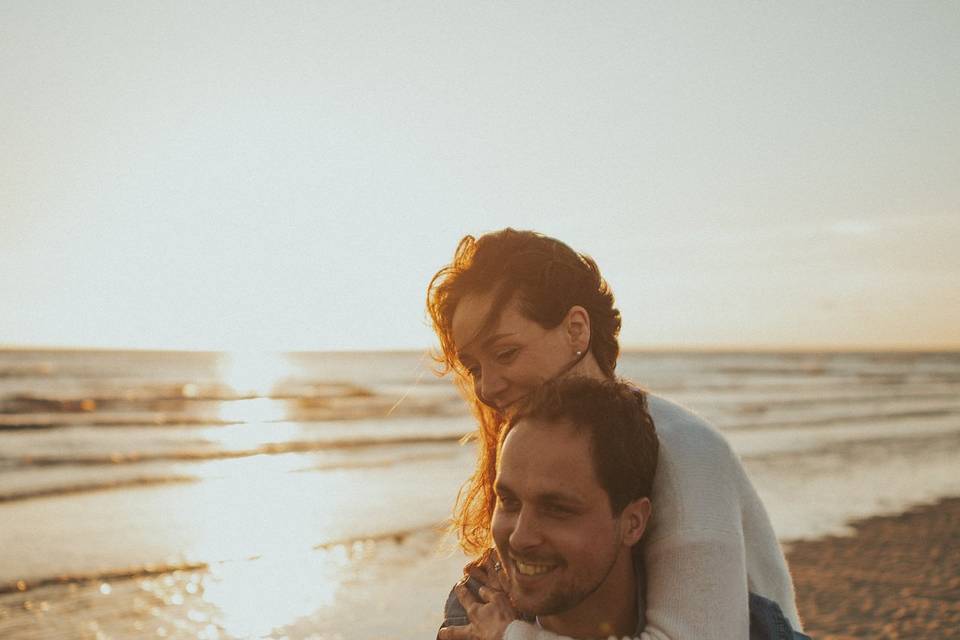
(710, 538)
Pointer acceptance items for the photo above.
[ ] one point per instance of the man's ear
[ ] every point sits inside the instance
(634, 519)
(577, 325)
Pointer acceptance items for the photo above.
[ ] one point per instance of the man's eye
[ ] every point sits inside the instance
(558, 511)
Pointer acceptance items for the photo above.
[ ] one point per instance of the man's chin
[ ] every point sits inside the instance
(535, 601)
(537, 605)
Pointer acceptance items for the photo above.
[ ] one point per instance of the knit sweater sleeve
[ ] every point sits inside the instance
(519, 630)
(707, 519)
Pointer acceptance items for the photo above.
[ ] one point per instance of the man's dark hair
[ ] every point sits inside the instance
(623, 440)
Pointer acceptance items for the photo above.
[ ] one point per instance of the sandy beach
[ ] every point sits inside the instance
(897, 577)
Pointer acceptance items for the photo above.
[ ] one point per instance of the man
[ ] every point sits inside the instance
(575, 469)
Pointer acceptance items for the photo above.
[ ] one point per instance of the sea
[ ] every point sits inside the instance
(150, 494)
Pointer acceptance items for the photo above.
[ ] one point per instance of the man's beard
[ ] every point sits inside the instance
(562, 597)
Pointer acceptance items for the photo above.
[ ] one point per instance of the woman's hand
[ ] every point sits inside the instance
(490, 613)
(488, 571)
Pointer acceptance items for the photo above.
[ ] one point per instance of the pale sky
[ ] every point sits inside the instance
(288, 175)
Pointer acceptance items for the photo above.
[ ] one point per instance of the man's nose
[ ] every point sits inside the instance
(526, 531)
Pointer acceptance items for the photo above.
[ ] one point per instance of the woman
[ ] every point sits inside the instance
(516, 308)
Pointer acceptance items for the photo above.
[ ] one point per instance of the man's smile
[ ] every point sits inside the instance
(532, 569)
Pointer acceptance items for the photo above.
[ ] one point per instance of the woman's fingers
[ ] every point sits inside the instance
(454, 633)
(499, 575)
(484, 595)
(476, 562)
(487, 570)
(488, 594)
(492, 563)
(469, 601)
(479, 574)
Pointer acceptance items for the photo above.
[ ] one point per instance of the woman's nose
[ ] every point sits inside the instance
(492, 387)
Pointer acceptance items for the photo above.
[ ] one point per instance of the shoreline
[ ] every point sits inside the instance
(896, 577)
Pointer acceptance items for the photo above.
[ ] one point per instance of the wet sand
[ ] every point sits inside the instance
(898, 577)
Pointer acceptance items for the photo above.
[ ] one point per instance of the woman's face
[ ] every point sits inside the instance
(516, 355)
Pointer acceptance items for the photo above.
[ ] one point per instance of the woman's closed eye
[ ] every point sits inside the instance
(471, 368)
(506, 355)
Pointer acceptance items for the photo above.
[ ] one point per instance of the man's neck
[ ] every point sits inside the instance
(611, 610)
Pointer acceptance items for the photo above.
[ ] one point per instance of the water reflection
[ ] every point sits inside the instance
(254, 376)
(252, 410)
(254, 373)
(255, 597)
(254, 435)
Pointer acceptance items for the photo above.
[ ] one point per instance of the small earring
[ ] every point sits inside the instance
(579, 353)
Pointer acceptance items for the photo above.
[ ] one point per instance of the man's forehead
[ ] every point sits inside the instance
(551, 455)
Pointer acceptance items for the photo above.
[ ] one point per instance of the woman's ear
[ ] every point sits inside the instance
(577, 325)
(634, 519)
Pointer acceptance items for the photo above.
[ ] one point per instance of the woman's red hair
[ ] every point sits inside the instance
(546, 278)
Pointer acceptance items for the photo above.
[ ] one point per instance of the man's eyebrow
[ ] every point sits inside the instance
(562, 498)
(548, 497)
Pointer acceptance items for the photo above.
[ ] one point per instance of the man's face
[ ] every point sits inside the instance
(553, 526)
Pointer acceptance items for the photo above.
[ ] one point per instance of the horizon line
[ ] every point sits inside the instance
(671, 348)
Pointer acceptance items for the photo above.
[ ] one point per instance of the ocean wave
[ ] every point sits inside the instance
(28, 370)
(50, 490)
(764, 404)
(141, 571)
(126, 483)
(828, 421)
(351, 544)
(74, 400)
(906, 444)
(301, 446)
(41, 421)
(46, 414)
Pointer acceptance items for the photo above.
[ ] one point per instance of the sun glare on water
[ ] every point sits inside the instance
(254, 376)
(254, 373)
(284, 586)
(257, 522)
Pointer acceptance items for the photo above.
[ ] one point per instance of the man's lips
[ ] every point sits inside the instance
(531, 568)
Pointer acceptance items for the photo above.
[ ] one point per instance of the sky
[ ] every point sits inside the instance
(289, 175)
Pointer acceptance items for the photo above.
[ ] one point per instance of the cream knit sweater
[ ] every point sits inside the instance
(710, 540)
